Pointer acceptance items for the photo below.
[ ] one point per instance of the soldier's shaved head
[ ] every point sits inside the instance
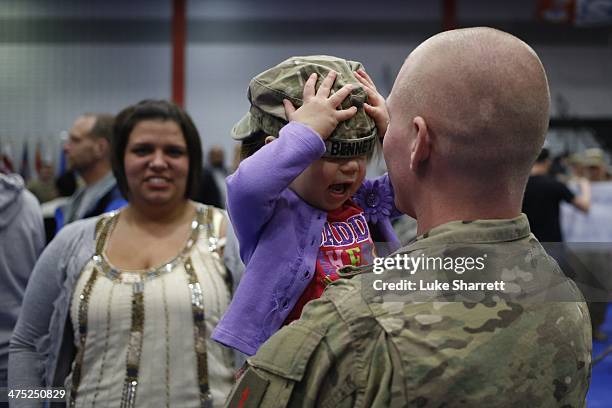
(482, 96)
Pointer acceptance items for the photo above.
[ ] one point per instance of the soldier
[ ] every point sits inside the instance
(468, 115)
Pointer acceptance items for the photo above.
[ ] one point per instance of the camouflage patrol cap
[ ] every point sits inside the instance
(593, 157)
(353, 137)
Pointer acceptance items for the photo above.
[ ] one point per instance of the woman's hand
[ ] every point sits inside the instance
(320, 110)
(376, 108)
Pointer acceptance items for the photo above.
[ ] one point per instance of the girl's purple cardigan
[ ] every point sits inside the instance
(280, 234)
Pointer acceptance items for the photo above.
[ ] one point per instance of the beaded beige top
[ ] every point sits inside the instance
(143, 337)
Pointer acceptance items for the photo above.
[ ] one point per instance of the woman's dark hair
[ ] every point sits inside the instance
(150, 109)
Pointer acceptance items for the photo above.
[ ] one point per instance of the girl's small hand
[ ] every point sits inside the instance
(320, 110)
(376, 108)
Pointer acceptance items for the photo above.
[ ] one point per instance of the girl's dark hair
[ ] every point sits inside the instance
(150, 109)
(252, 144)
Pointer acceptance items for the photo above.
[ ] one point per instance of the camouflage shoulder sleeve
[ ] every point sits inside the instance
(283, 361)
(274, 371)
(317, 362)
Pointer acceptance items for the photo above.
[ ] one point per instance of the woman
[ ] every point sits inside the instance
(119, 309)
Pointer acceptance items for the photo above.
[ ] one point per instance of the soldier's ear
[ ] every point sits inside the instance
(421, 146)
(269, 139)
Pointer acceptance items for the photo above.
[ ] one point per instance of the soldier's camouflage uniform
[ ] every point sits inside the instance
(530, 347)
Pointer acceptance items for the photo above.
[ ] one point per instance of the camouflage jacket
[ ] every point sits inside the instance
(353, 349)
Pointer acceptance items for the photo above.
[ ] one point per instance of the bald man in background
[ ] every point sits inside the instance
(88, 153)
(468, 116)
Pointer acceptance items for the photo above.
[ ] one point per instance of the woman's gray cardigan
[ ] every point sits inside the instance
(42, 347)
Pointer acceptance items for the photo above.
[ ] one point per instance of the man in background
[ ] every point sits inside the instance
(212, 186)
(589, 239)
(543, 196)
(88, 153)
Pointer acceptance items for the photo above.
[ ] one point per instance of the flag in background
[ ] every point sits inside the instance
(38, 160)
(6, 158)
(25, 163)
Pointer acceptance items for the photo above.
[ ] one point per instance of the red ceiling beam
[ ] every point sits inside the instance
(179, 35)
(449, 14)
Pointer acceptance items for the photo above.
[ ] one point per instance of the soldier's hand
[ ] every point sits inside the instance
(320, 109)
(376, 107)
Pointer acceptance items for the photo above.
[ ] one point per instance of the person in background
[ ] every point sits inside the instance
(126, 301)
(22, 240)
(212, 188)
(595, 164)
(87, 153)
(543, 196)
(216, 165)
(589, 237)
(44, 187)
(575, 167)
(66, 185)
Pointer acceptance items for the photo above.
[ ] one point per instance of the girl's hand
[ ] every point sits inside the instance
(320, 110)
(376, 108)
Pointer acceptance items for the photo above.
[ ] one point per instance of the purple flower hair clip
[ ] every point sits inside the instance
(376, 200)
